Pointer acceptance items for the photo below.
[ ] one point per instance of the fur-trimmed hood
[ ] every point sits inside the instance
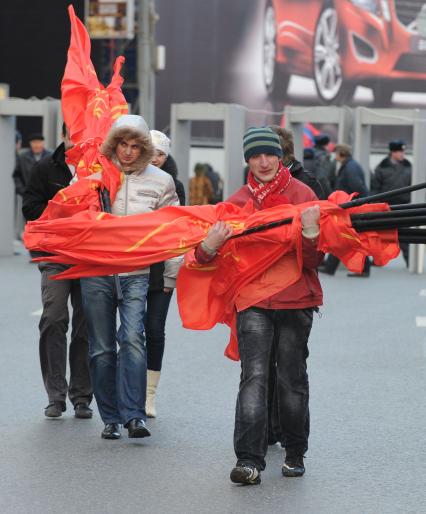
(125, 128)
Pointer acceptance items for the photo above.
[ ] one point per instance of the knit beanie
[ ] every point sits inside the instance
(160, 141)
(261, 140)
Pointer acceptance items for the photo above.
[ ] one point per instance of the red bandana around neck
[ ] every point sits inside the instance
(271, 193)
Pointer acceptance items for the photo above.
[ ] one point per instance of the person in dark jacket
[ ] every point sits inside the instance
(26, 159)
(277, 430)
(216, 182)
(350, 178)
(49, 175)
(394, 172)
(324, 167)
(296, 168)
(309, 168)
(158, 297)
(285, 318)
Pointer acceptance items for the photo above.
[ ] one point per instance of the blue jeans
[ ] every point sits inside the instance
(258, 330)
(118, 378)
(157, 307)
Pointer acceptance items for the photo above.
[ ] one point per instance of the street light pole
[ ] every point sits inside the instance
(145, 71)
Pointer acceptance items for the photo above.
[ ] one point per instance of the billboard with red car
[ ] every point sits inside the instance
(265, 54)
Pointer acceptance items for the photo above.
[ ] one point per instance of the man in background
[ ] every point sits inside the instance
(350, 178)
(49, 175)
(393, 172)
(26, 159)
(324, 166)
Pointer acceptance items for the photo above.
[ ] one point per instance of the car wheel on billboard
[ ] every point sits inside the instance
(328, 74)
(275, 78)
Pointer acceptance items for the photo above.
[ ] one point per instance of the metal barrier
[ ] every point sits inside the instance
(10, 108)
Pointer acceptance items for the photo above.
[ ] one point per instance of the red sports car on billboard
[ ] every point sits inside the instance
(380, 44)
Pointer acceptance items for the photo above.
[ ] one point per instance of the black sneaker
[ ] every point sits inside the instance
(55, 409)
(293, 466)
(83, 411)
(245, 474)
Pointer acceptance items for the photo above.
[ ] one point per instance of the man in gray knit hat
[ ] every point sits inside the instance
(282, 321)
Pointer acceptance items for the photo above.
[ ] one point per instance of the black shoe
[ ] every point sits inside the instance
(83, 411)
(364, 274)
(324, 269)
(55, 409)
(111, 431)
(293, 466)
(245, 474)
(137, 428)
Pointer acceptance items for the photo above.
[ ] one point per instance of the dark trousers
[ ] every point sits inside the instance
(405, 249)
(257, 329)
(157, 307)
(53, 338)
(331, 263)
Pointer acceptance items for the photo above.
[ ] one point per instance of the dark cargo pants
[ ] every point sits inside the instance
(53, 338)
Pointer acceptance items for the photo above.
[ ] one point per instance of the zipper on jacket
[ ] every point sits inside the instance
(126, 195)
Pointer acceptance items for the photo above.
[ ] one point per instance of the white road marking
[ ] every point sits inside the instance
(421, 321)
(422, 292)
(37, 313)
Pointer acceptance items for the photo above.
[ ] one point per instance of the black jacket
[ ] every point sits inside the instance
(324, 168)
(350, 178)
(392, 175)
(25, 162)
(170, 167)
(156, 280)
(47, 177)
(307, 177)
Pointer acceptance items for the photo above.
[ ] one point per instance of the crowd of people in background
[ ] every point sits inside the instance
(121, 365)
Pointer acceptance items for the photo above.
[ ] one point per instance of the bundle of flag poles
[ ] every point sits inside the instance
(402, 217)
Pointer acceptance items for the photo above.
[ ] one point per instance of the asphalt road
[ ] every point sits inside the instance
(368, 416)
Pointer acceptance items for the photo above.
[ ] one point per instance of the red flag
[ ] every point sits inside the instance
(246, 271)
(89, 109)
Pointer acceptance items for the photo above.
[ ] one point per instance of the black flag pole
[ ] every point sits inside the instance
(357, 202)
(382, 196)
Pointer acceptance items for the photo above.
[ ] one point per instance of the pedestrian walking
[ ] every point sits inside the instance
(319, 187)
(25, 160)
(216, 182)
(159, 296)
(285, 318)
(200, 187)
(324, 167)
(49, 175)
(394, 172)
(296, 168)
(350, 178)
(119, 378)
